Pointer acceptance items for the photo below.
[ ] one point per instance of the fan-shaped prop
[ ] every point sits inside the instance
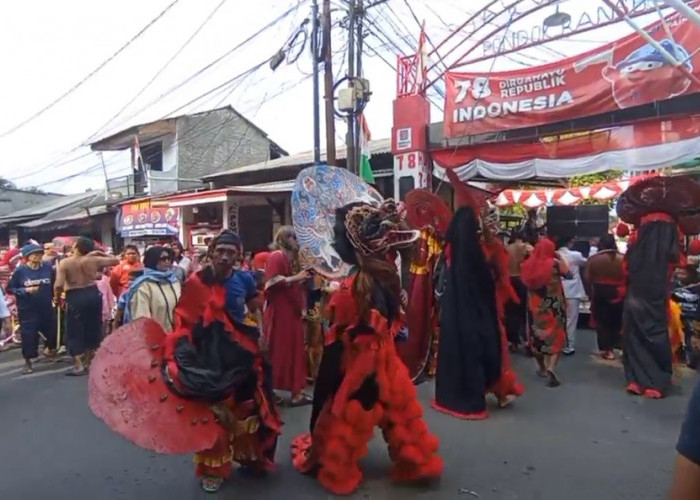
(318, 192)
(127, 392)
(427, 209)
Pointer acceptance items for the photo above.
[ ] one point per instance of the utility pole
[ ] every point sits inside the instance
(328, 82)
(351, 162)
(359, 20)
(314, 56)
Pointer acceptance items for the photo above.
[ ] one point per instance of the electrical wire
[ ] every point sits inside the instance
(173, 89)
(75, 87)
(162, 69)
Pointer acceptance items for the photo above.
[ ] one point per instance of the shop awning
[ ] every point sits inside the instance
(193, 198)
(221, 195)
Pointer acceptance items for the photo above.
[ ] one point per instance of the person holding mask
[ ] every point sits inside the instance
(155, 293)
(31, 284)
(83, 302)
(283, 324)
(119, 278)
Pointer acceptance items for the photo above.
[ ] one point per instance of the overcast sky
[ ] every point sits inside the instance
(49, 46)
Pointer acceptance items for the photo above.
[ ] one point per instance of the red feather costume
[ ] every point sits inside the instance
(362, 382)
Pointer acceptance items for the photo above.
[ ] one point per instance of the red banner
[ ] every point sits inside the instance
(623, 74)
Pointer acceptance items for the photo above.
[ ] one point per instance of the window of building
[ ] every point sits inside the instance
(152, 156)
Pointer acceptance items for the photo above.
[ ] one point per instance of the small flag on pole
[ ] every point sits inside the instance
(366, 173)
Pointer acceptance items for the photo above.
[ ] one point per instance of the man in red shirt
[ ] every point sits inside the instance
(119, 277)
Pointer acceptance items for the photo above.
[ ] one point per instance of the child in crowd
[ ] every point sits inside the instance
(108, 300)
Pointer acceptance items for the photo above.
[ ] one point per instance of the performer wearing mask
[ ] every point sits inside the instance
(282, 321)
(31, 284)
(154, 293)
(83, 302)
(605, 279)
(362, 383)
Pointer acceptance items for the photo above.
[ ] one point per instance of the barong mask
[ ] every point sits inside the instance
(378, 229)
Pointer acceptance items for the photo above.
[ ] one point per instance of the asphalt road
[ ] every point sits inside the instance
(585, 440)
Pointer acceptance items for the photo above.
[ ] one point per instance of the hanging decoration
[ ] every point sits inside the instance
(602, 192)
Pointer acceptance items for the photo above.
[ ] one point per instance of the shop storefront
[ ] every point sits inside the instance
(254, 212)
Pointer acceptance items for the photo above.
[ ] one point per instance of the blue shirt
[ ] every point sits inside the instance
(689, 440)
(240, 288)
(25, 277)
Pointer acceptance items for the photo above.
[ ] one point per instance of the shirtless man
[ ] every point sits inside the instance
(516, 314)
(83, 302)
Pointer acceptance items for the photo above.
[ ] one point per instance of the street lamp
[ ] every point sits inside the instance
(557, 19)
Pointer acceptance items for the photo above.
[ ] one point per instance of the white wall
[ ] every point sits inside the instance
(166, 181)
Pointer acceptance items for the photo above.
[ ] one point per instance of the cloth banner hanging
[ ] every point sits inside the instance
(619, 75)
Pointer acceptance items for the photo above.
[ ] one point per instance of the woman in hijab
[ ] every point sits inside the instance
(605, 278)
(155, 293)
(541, 273)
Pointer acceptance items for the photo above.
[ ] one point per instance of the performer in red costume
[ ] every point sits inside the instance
(473, 357)
(429, 213)
(362, 383)
(205, 387)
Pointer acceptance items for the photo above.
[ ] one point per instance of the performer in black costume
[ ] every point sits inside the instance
(650, 260)
(469, 358)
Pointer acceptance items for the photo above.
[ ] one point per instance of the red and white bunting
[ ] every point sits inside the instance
(564, 196)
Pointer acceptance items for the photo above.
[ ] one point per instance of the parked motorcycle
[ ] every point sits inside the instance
(688, 298)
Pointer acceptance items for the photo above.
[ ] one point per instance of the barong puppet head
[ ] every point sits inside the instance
(366, 236)
(371, 231)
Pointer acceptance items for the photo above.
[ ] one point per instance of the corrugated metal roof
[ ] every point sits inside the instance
(378, 147)
(67, 216)
(46, 207)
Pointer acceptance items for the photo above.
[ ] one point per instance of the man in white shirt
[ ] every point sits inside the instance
(573, 291)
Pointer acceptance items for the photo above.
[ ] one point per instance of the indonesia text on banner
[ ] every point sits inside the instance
(623, 74)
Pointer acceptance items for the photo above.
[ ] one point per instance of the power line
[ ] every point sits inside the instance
(171, 90)
(163, 68)
(89, 75)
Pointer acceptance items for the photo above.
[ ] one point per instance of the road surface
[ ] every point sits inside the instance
(585, 440)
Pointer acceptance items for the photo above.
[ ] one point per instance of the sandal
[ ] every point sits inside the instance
(212, 484)
(305, 400)
(553, 380)
(608, 355)
(76, 373)
(28, 370)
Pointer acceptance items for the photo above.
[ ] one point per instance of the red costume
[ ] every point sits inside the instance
(362, 383)
(203, 388)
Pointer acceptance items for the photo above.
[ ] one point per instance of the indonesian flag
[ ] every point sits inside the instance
(136, 158)
(366, 173)
(423, 60)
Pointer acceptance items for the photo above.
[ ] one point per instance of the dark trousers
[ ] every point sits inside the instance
(33, 322)
(516, 314)
(83, 320)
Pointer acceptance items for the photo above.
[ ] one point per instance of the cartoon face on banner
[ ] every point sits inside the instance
(646, 75)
